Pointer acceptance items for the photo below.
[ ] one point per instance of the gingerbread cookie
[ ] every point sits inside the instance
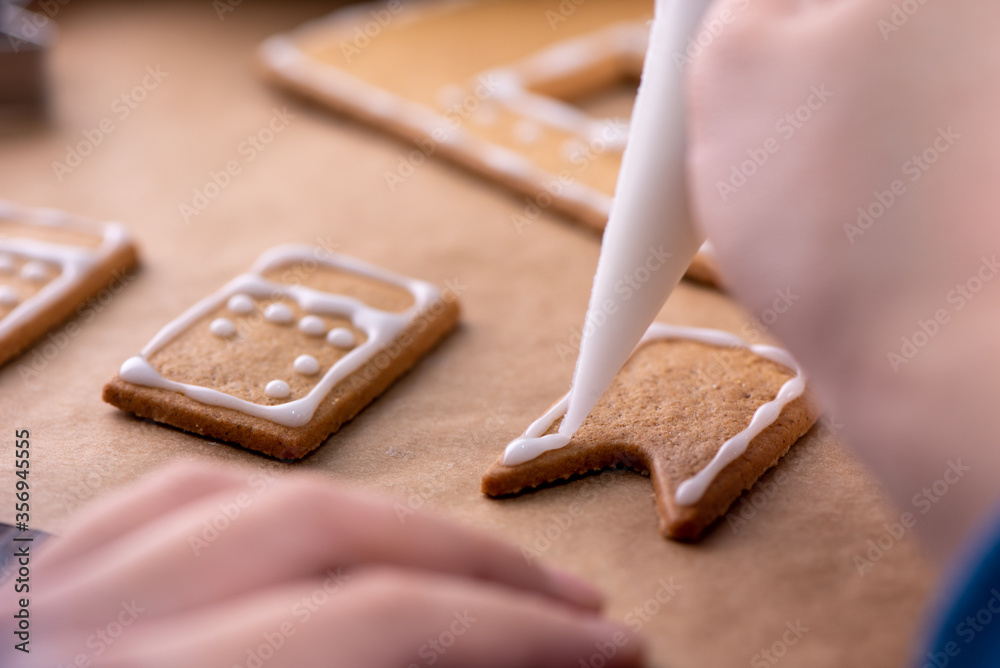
(704, 426)
(280, 357)
(51, 262)
(533, 94)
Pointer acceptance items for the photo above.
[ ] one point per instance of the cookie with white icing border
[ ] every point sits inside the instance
(702, 412)
(495, 86)
(280, 357)
(51, 262)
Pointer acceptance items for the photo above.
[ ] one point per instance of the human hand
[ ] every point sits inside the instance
(844, 153)
(199, 566)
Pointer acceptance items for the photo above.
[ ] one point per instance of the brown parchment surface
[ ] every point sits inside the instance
(431, 436)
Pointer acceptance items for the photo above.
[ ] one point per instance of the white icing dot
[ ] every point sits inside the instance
(35, 271)
(340, 337)
(240, 303)
(277, 389)
(572, 149)
(527, 132)
(8, 296)
(6, 263)
(222, 327)
(313, 325)
(449, 96)
(307, 365)
(486, 115)
(278, 313)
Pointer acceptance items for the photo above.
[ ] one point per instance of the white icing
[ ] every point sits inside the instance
(8, 296)
(307, 365)
(336, 86)
(534, 441)
(380, 327)
(572, 149)
(312, 325)
(625, 43)
(486, 115)
(35, 271)
(278, 313)
(6, 263)
(340, 337)
(277, 389)
(242, 304)
(650, 229)
(222, 327)
(73, 263)
(527, 132)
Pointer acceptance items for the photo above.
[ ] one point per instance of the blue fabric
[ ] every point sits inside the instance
(967, 632)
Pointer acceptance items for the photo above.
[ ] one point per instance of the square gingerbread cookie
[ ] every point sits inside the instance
(51, 262)
(280, 357)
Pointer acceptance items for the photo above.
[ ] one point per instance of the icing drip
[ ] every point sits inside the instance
(8, 296)
(535, 442)
(277, 389)
(35, 271)
(278, 313)
(307, 365)
(222, 327)
(242, 304)
(381, 328)
(312, 325)
(340, 337)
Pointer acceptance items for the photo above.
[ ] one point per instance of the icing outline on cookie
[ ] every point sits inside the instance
(381, 327)
(534, 441)
(282, 55)
(74, 262)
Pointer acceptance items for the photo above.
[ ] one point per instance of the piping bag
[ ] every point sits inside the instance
(649, 240)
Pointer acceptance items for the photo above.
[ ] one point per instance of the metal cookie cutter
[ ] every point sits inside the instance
(24, 41)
